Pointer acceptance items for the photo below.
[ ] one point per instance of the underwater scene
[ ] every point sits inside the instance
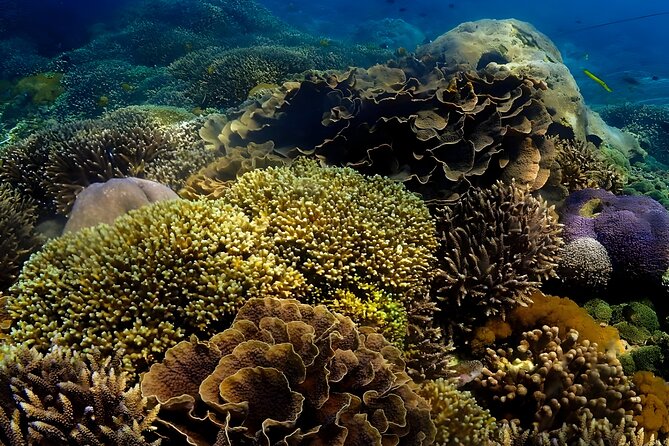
(381, 222)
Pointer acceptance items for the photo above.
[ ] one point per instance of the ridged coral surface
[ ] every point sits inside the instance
(289, 373)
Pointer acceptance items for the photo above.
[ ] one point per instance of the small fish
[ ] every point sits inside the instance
(655, 78)
(324, 42)
(403, 9)
(630, 80)
(451, 5)
(598, 80)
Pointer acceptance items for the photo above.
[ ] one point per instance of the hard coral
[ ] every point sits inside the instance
(18, 216)
(66, 398)
(584, 266)
(435, 133)
(654, 393)
(633, 230)
(286, 372)
(550, 379)
(456, 414)
(496, 245)
(158, 274)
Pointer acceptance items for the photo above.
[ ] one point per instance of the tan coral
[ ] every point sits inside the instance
(290, 372)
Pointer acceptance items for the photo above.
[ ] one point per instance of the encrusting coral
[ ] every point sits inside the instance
(66, 398)
(289, 373)
(495, 246)
(437, 134)
(142, 284)
(552, 378)
(18, 216)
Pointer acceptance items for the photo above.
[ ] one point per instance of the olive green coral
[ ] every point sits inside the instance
(66, 398)
(289, 373)
(158, 274)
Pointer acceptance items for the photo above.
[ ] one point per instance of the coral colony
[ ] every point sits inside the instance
(430, 248)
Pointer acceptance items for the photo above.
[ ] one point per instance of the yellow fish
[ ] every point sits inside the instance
(598, 80)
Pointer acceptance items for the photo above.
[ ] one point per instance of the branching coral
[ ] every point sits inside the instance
(18, 216)
(495, 246)
(550, 379)
(457, 416)
(434, 133)
(66, 398)
(158, 274)
(293, 373)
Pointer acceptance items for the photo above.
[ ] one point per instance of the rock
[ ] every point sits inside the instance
(103, 202)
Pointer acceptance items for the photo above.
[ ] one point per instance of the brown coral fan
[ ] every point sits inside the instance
(434, 133)
(289, 373)
(18, 216)
(582, 166)
(496, 245)
(65, 398)
(158, 274)
(549, 380)
(457, 416)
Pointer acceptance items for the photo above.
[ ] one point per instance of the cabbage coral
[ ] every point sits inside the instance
(289, 373)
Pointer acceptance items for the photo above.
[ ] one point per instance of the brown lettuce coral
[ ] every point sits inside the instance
(496, 245)
(66, 398)
(435, 133)
(289, 373)
(551, 379)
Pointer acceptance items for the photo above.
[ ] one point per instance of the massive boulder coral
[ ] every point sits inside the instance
(18, 217)
(551, 379)
(67, 398)
(435, 133)
(287, 372)
(158, 274)
(495, 247)
(634, 230)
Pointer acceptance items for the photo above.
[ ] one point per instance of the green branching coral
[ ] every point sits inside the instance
(66, 398)
(18, 216)
(158, 274)
(457, 416)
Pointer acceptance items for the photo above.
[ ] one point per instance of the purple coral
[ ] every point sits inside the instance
(634, 230)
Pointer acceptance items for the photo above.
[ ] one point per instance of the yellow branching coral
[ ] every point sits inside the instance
(158, 274)
(457, 416)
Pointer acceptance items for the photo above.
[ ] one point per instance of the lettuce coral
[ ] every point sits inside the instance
(289, 373)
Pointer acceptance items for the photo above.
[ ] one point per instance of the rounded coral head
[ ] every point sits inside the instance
(286, 371)
(634, 230)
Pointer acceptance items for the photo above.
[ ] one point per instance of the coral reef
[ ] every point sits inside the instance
(437, 134)
(289, 372)
(66, 398)
(633, 230)
(654, 393)
(18, 216)
(496, 245)
(584, 267)
(104, 202)
(550, 379)
(158, 274)
(457, 417)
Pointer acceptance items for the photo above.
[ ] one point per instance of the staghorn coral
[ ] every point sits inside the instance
(434, 133)
(495, 247)
(66, 398)
(548, 380)
(158, 274)
(18, 216)
(457, 417)
(582, 166)
(323, 382)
